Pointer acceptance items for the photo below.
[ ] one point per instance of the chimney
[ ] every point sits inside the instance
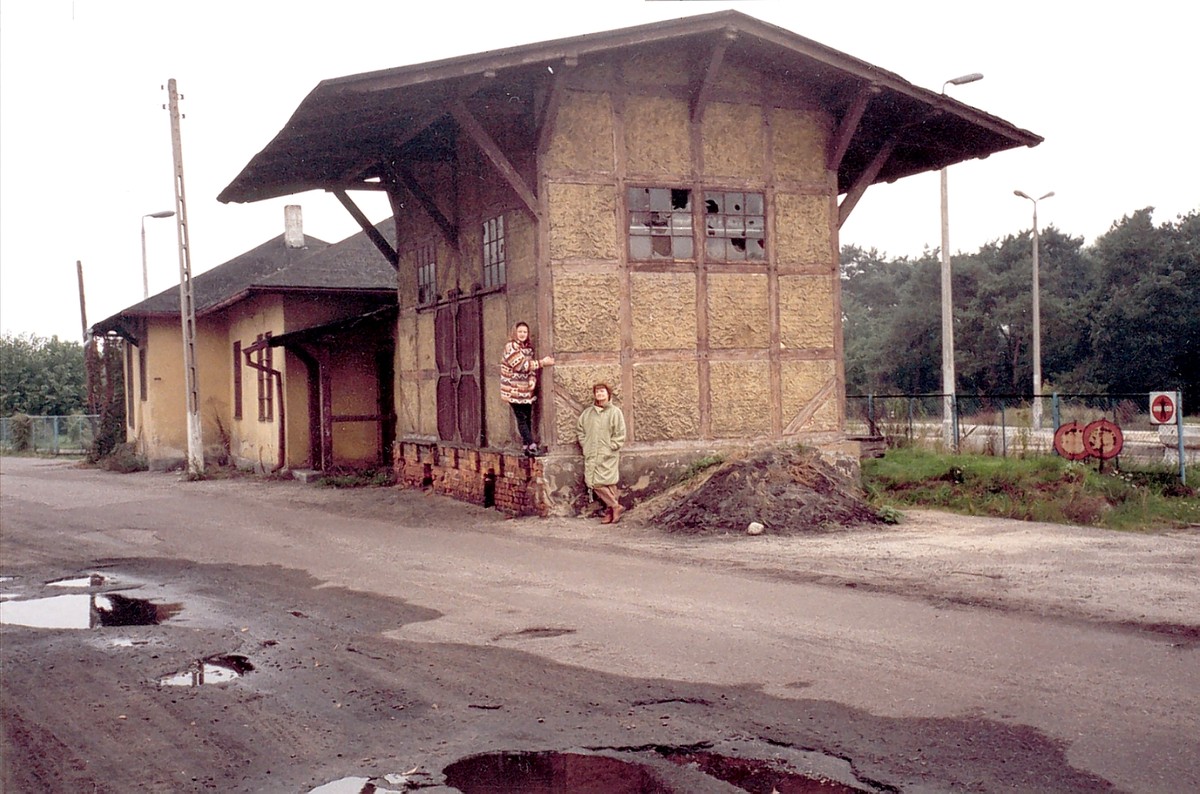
(293, 227)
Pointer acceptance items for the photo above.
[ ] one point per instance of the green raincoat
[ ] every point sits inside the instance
(601, 433)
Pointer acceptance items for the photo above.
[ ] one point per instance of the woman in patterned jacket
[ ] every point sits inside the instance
(518, 381)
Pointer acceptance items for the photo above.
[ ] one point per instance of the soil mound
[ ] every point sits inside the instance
(789, 491)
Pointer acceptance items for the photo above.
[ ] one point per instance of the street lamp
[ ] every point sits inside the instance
(947, 313)
(1037, 317)
(145, 272)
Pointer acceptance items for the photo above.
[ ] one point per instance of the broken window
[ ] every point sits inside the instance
(426, 274)
(494, 259)
(733, 227)
(660, 224)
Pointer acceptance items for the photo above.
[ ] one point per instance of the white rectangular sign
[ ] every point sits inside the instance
(1163, 409)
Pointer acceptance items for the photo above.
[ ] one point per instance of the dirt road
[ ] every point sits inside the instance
(398, 633)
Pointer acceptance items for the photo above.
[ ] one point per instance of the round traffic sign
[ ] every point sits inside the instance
(1068, 441)
(1103, 439)
(1162, 408)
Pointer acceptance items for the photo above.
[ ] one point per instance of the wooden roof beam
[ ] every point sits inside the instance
(405, 177)
(715, 59)
(487, 145)
(848, 126)
(368, 228)
(865, 180)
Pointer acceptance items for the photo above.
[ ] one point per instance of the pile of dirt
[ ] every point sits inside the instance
(788, 490)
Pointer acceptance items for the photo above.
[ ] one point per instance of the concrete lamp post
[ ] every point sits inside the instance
(948, 388)
(145, 270)
(1037, 316)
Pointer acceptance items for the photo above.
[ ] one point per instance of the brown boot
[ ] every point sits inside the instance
(616, 513)
(608, 517)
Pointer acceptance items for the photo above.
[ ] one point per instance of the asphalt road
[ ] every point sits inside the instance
(398, 633)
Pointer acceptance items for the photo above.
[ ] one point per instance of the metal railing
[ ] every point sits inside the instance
(48, 435)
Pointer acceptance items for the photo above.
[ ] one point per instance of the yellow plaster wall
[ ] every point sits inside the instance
(663, 311)
(407, 379)
(739, 79)
(427, 366)
(803, 230)
(800, 140)
(733, 141)
(583, 221)
(253, 442)
(666, 400)
(738, 311)
(586, 312)
(583, 134)
(801, 382)
(806, 312)
(214, 369)
(497, 416)
(163, 434)
(520, 248)
(741, 398)
(657, 135)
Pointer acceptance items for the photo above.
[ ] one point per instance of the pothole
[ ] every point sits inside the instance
(497, 773)
(213, 670)
(85, 611)
(537, 633)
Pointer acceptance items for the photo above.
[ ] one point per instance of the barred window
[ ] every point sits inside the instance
(733, 227)
(427, 274)
(660, 223)
(494, 259)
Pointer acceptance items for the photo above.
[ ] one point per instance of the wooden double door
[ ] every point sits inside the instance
(458, 332)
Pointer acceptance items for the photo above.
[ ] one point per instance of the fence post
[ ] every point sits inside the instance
(1003, 431)
(954, 406)
(54, 429)
(1055, 412)
(910, 418)
(871, 414)
(1179, 435)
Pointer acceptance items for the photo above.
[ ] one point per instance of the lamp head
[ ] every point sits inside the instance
(163, 214)
(1022, 195)
(966, 78)
(1048, 195)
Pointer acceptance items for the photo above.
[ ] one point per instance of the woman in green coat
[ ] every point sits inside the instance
(601, 433)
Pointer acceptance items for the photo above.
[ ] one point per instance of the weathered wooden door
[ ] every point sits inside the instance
(458, 331)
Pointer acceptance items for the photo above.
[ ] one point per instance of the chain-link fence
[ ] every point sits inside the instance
(50, 435)
(1014, 424)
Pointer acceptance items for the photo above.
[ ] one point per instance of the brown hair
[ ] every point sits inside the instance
(602, 385)
(512, 333)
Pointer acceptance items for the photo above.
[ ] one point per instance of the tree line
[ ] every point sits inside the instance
(1119, 316)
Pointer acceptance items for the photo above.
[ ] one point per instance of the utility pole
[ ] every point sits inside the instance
(82, 303)
(187, 310)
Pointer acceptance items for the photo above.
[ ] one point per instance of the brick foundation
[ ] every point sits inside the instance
(511, 483)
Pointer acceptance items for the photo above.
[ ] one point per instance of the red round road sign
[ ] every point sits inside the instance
(1103, 439)
(1162, 409)
(1068, 441)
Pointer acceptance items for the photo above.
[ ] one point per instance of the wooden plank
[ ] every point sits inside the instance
(368, 228)
(492, 151)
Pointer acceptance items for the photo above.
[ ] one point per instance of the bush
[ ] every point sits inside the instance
(123, 459)
(21, 427)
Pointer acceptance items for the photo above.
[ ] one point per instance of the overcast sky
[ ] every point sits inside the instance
(85, 146)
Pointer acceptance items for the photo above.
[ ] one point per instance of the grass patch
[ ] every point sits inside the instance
(364, 478)
(1033, 489)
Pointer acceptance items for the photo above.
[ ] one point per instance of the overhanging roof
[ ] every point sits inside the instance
(345, 121)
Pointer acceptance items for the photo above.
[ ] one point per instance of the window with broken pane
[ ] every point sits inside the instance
(734, 226)
(426, 274)
(494, 260)
(660, 224)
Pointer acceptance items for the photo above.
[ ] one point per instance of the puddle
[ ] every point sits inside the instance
(520, 772)
(213, 670)
(367, 785)
(756, 774)
(84, 611)
(92, 580)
